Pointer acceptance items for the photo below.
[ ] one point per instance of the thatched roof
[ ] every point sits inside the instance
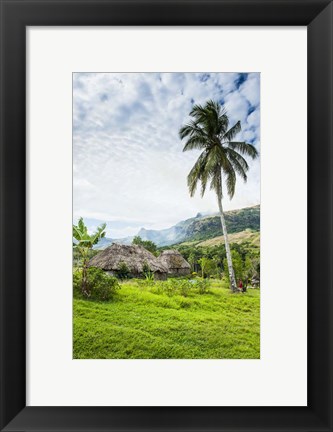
(173, 260)
(133, 256)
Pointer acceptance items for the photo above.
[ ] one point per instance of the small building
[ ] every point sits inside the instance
(175, 263)
(136, 258)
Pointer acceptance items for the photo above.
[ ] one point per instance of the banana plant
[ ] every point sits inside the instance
(84, 242)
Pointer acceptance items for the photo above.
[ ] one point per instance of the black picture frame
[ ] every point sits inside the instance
(15, 17)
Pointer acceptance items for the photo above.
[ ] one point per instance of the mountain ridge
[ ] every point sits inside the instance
(201, 227)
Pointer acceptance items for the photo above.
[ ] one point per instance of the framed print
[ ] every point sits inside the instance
(130, 301)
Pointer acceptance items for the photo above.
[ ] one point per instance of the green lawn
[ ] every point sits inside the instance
(143, 323)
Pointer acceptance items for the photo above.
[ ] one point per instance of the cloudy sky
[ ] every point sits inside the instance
(128, 166)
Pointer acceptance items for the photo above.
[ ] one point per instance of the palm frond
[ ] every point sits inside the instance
(232, 132)
(238, 168)
(231, 183)
(195, 143)
(204, 178)
(197, 111)
(229, 174)
(223, 122)
(233, 154)
(206, 117)
(244, 148)
(231, 186)
(216, 183)
(189, 129)
(238, 162)
(193, 179)
(184, 131)
(196, 174)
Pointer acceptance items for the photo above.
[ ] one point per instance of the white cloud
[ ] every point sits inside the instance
(128, 160)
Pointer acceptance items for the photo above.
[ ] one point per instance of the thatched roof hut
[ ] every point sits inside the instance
(175, 263)
(135, 257)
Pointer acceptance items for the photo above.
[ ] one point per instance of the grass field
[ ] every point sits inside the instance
(143, 323)
(253, 237)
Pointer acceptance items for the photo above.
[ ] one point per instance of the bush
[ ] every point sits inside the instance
(145, 268)
(184, 287)
(123, 270)
(177, 286)
(203, 285)
(77, 281)
(148, 274)
(156, 288)
(169, 287)
(101, 285)
(141, 283)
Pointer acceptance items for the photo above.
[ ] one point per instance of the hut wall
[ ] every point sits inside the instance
(157, 275)
(160, 276)
(178, 272)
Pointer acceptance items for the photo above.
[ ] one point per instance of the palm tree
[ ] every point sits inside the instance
(220, 161)
(84, 242)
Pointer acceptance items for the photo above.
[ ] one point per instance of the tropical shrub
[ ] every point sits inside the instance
(184, 287)
(77, 281)
(145, 268)
(177, 286)
(169, 287)
(102, 286)
(123, 270)
(150, 278)
(83, 244)
(202, 285)
(148, 274)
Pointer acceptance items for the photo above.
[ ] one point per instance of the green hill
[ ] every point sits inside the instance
(252, 238)
(236, 220)
(198, 228)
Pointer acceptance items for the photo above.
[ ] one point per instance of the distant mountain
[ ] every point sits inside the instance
(107, 241)
(164, 237)
(104, 243)
(236, 220)
(197, 228)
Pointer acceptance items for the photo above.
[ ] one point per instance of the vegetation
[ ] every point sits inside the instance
(101, 286)
(198, 228)
(209, 259)
(123, 270)
(147, 244)
(155, 321)
(252, 238)
(236, 221)
(208, 266)
(221, 157)
(83, 244)
(77, 257)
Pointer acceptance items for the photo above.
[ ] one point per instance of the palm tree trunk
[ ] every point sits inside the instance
(233, 285)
